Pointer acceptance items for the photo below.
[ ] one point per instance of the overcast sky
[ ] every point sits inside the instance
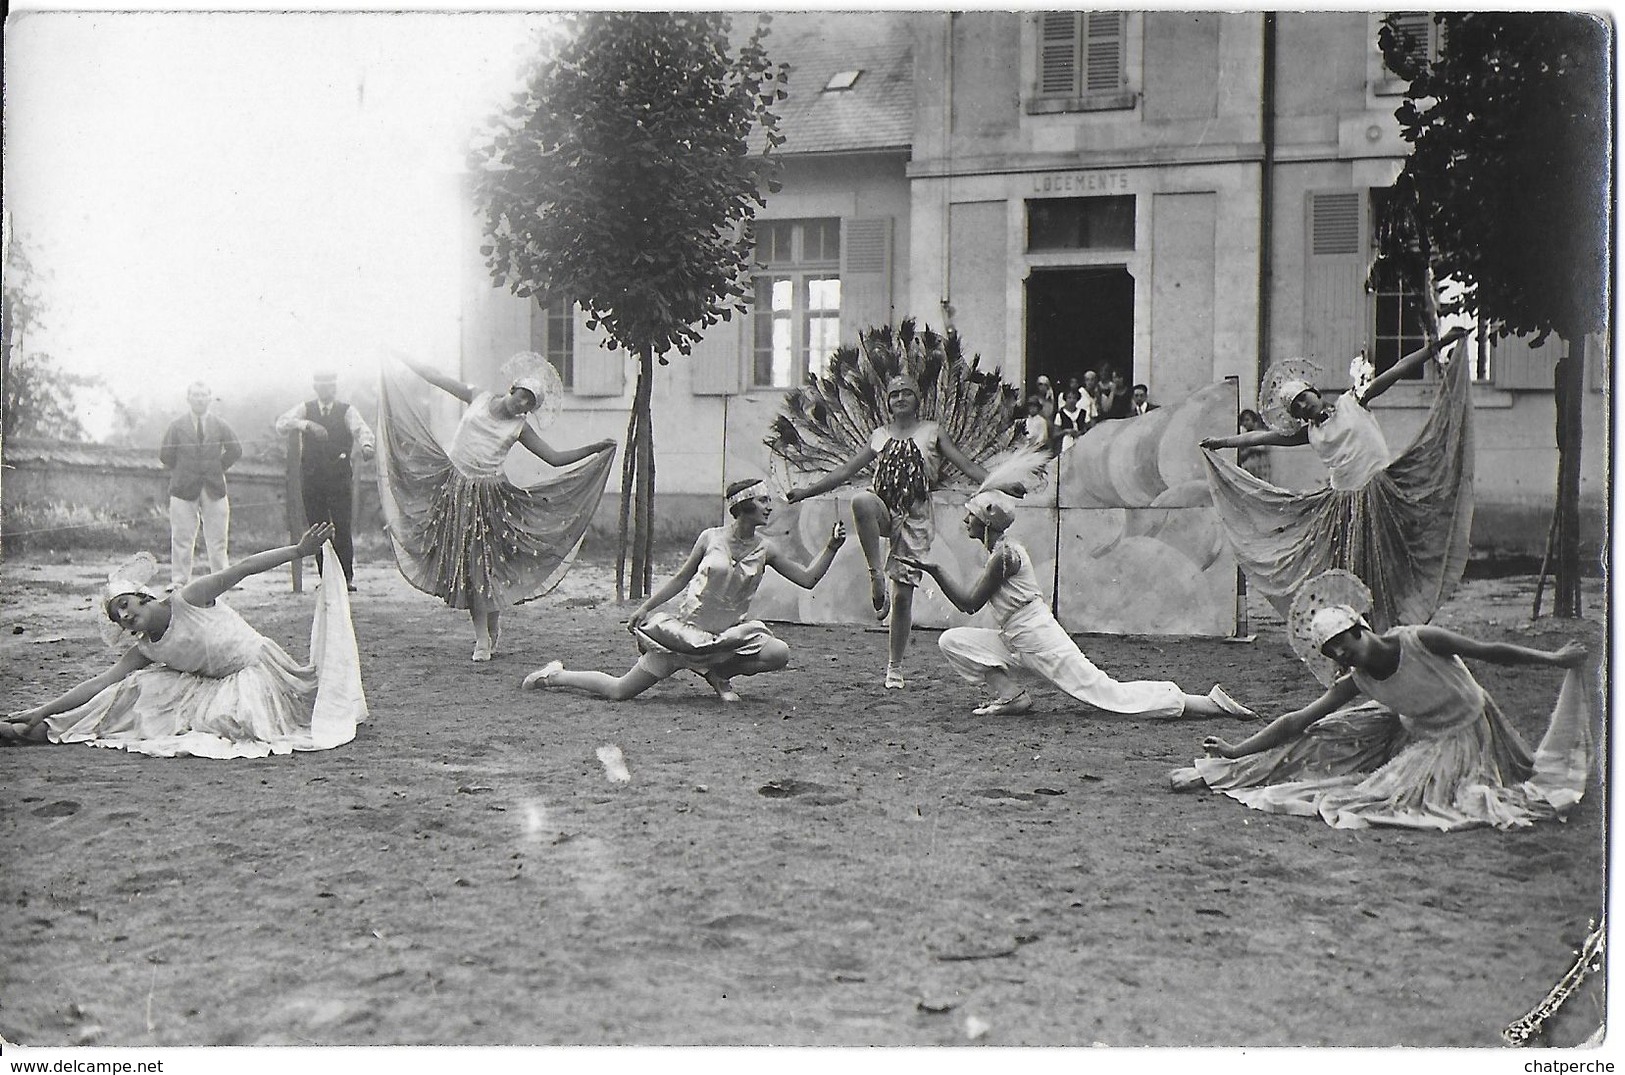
(242, 198)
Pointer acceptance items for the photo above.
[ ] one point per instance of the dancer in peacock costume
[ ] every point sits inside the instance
(902, 402)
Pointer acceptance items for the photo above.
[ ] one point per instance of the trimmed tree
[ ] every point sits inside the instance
(621, 178)
(1507, 193)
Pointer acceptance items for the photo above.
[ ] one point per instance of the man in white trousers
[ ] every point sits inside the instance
(197, 451)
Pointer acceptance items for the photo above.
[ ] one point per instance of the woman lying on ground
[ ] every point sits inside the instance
(463, 532)
(1028, 635)
(200, 681)
(1431, 751)
(1400, 525)
(709, 631)
(907, 452)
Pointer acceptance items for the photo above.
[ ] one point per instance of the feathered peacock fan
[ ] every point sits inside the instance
(830, 418)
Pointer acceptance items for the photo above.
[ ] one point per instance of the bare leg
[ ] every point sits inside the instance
(603, 685)
(902, 621)
(871, 518)
(773, 656)
(493, 627)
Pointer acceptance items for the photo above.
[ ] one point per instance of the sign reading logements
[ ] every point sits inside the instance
(1080, 183)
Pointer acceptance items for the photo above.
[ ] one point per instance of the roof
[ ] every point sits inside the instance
(877, 112)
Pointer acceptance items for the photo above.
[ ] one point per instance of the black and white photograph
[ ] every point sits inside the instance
(884, 533)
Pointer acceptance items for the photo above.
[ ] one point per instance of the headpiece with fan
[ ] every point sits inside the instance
(1295, 375)
(1326, 606)
(133, 576)
(831, 417)
(535, 374)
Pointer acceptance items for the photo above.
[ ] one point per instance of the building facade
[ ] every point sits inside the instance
(1181, 197)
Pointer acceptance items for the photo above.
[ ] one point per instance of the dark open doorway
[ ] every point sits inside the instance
(1079, 319)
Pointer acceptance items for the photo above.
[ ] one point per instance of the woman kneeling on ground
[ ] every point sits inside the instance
(1029, 636)
(709, 632)
(1432, 751)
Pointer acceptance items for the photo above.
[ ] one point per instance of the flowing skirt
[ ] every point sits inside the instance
(1404, 534)
(1360, 767)
(474, 541)
(274, 706)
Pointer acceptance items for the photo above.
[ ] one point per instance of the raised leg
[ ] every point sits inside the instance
(871, 519)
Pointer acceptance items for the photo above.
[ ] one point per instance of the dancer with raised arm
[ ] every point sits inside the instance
(1430, 751)
(199, 681)
(461, 531)
(960, 415)
(1400, 525)
(710, 631)
(1028, 635)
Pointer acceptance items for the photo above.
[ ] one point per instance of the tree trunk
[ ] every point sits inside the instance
(646, 475)
(628, 465)
(1569, 394)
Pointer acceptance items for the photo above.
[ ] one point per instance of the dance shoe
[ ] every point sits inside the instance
(1218, 696)
(894, 678)
(542, 677)
(1019, 702)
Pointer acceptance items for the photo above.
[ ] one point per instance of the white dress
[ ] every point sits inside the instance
(217, 688)
(1029, 637)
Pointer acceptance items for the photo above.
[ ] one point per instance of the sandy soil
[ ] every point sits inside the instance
(825, 864)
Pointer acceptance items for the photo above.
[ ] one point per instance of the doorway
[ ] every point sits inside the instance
(1079, 319)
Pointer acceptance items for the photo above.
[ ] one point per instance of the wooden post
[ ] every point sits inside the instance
(294, 508)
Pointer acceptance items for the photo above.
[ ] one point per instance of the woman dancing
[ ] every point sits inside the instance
(200, 681)
(1401, 526)
(460, 530)
(897, 504)
(709, 632)
(1432, 752)
(1029, 636)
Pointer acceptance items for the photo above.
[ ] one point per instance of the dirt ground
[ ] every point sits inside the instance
(825, 864)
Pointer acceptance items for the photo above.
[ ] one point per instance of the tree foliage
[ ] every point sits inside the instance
(621, 178)
(36, 398)
(1506, 191)
(1511, 132)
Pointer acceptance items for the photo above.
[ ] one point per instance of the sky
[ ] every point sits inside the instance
(243, 198)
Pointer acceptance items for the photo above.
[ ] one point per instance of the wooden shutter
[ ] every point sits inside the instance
(1058, 54)
(598, 371)
(866, 259)
(1515, 364)
(1415, 28)
(1334, 300)
(716, 365)
(1103, 39)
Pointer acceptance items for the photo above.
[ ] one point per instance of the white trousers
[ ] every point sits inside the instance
(1032, 639)
(184, 516)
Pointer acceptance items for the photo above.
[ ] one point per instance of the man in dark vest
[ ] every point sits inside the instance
(330, 433)
(197, 450)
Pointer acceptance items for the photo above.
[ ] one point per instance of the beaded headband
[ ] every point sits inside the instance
(749, 492)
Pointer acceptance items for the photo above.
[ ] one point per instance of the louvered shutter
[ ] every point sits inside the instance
(1334, 301)
(716, 364)
(1103, 51)
(1415, 28)
(598, 371)
(1058, 54)
(1515, 364)
(865, 275)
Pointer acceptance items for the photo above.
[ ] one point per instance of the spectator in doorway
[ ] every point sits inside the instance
(1114, 399)
(1091, 398)
(330, 433)
(1070, 421)
(1140, 400)
(197, 450)
(1046, 397)
(1035, 427)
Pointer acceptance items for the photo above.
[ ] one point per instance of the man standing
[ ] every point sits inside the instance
(197, 450)
(330, 432)
(1140, 401)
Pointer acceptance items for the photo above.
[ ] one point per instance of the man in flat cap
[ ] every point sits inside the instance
(330, 433)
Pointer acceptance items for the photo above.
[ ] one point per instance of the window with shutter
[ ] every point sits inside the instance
(1334, 299)
(866, 275)
(1422, 37)
(596, 370)
(796, 319)
(716, 361)
(1515, 364)
(552, 335)
(1082, 62)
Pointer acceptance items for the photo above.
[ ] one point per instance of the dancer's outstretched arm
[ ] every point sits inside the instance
(202, 592)
(834, 478)
(76, 696)
(1449, 644)
(970, 601)
(1285, 728)
(553, 457)
(808, 576)
(671, 587)
(956, 455)
(440, 380)
(1259, 437)
(1390, 376)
